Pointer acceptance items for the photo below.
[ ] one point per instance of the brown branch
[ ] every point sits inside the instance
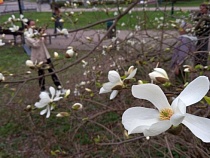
(122, 142)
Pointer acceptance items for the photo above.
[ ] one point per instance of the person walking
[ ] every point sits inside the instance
(40, 54)
(183, 52)
(57, 18)
(202, 31)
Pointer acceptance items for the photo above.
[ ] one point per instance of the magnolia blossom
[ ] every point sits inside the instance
(47, 100)
(61, 20)
(84, 63)
(1, 43)
(30, 64)
(30, 33)
(131, 72)
(115, 83)
(12, 18)
(2, 78)
(3, 35)
(24, 20)
(14, 28)
(152, 122)
(159, 75)
(63, 31)
(52, 18)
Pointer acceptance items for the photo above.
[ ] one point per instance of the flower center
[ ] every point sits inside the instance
(165, 114)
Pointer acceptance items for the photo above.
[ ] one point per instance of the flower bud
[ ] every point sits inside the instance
(29, 63)
(56, 55)
(69, 53)
(159, 75)
(63, 114)
(2, 78)
(67, 93)
(77, 106)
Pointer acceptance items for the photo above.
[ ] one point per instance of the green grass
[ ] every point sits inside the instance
(86, 18)
(184, 3)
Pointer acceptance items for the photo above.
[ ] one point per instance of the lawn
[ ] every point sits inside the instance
(81, 19)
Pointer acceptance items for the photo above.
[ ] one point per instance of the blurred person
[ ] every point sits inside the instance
(202, 31)
(39, 53)
(57, 18)
(183, 51)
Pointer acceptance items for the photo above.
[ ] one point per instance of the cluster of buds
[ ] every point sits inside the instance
(36, 65)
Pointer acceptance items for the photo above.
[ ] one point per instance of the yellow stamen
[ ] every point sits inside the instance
(165, 114)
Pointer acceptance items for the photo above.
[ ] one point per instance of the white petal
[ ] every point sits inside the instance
(152, 93)
(113, 94)
(114, 76)
(179, 106)
(44, 95)
(136, 119)
(108, 86)
(57, 98)
(102, 90)
(43, 111)
(157, 128)
(176, 119)
(52, 91)
(39, 105)
(199, 126)
(48, 112)
(132, 74)
(58, 30)
(195, 91)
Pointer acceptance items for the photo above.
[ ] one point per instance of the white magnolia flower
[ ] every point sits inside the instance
(114, 85)
(63, 31)
(61, 20)
(1, 43)
(2, 78)
(88, 2)
(24, 20)
(152, 122)
(137, 27)
(131, 72)
(14, 28)
(30, 33)
(84, 63)
(115, 13)
(11, 19)
(32, 65)
(159, 75)
(3, 35)
(47, 100)
(123, 24)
